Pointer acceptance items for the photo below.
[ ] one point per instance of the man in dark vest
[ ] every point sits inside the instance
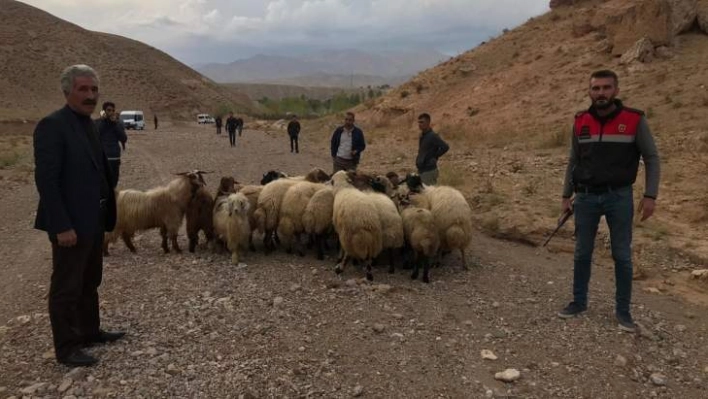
(347, 145)
(218, 122)
(608, 141)
(76, 206)
(231, 126)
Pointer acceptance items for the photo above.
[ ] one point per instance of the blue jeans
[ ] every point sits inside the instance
(618, 208)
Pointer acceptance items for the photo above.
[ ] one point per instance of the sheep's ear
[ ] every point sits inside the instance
(230, 207)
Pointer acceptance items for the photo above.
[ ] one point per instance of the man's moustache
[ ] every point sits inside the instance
(89, 102)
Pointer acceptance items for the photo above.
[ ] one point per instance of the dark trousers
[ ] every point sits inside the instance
(232, 138)
(73, 293)
(218, 130)
(618, 208)
(114, 166)
(293, 144)
(240, 128)
(343, 164)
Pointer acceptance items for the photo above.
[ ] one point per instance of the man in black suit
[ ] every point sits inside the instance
(76, 206)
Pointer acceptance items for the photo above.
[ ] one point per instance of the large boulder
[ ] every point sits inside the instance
(625, 22)
(642, 51)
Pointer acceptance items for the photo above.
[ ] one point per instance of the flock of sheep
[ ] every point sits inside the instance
(365, 214)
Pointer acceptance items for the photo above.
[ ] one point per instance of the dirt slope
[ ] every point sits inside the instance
(507, 106)
(35, 46)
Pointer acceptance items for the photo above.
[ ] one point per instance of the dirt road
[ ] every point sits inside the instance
(284, 326)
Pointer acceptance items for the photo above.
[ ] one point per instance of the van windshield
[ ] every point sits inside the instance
(125, 117)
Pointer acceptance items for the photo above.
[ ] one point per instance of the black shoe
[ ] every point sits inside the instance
(573, 309)
(78, 358)
(104, 337)
(625, 322)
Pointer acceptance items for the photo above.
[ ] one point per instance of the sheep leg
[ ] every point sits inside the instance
(320, 241)
(163, 233)
(391, 268)
(251, 247)
(276, 239)
(369, 274)
(193, 241)
(128, 240)
(339, 268)
(416, 267)
(426, 270)
(267, 242)
(175, 245)
(464, 260)
(105, 247)
(299, 246)
(311, 241)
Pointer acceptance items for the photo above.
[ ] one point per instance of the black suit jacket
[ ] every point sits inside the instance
(68, 178)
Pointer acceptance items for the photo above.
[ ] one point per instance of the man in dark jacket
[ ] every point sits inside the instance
(231, 126)
(239, 125)
(113, 137)
(430, 148)
(294, 133)
(347, 145)
(76, 206)
(217, 122)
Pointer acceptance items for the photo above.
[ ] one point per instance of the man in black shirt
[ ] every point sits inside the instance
(76, 206)
(430, 148)
(294, 132)
(113, 137)
(231, 126)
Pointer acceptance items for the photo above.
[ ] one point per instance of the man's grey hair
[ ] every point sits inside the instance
(71, 73)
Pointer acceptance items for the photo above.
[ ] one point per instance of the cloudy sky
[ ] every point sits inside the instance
(201, 31)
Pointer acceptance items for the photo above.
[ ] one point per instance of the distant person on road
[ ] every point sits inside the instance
(239, 122)
(347, 145)
(155, 121)
(608, 140)
(294, 132)
(76, 207)
(113, 137)
(217, 122)
(430, 148)
(231, 126)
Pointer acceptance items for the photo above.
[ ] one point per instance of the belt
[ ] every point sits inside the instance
(581, 188)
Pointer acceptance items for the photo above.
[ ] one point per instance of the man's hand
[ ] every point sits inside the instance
(566, 204)
(67, 238)
(353, 153)
(646, 207)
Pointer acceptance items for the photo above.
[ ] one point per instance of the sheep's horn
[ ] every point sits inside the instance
(181, 174)
(204, 172)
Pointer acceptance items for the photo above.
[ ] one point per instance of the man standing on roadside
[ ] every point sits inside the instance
(239, 124)
(76, 206)
(155, 121)
(231, 126)
(347, 145)
(608, 140)
(294, 132)
(113, 137)
(217, 122)
(430, 148)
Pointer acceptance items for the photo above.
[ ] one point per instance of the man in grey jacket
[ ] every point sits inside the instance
(113, 137)
(430, 148)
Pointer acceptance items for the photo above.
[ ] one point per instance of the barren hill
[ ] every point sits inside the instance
(507, 106)
(35, 46)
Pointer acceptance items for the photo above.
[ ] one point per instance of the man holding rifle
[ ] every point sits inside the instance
(608, 140)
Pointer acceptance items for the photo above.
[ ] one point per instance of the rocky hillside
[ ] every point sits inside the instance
(507, 107)
(35, 46)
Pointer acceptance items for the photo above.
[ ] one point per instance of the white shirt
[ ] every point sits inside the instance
(345, 144)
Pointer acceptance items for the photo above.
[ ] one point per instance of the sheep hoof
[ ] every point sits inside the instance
(301, 254)
(338, 269)
(426, 279)
(252, 248)
(414, 276)
(370, 276)
(289, 251)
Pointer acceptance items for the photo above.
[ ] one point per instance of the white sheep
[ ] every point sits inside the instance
(317, 218)
(295, 200)
(421, 235)
(252, 192)
(356, 221)
(267, 213)
(451, 212)
(391, 223)
(161, 207)
(231, 223)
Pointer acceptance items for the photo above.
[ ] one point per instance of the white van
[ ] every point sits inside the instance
(204, 118)
(132, 120)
